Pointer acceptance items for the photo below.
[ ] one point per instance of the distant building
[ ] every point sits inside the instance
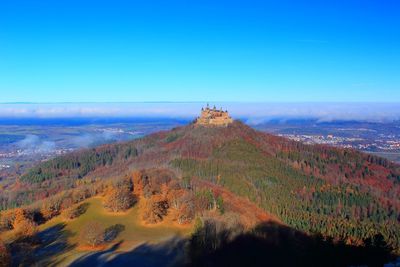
(213, 116)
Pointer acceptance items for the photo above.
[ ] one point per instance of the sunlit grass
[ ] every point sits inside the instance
(135, 232)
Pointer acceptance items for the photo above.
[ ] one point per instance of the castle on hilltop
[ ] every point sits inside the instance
(213, 116)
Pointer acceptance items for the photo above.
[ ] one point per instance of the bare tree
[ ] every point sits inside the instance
(92, 234)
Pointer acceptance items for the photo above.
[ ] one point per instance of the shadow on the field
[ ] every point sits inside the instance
(112, 232)
(273, 244)
(167, 253)
(44, 249)
(268, 244)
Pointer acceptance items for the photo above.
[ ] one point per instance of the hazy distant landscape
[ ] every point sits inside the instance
(24, 141)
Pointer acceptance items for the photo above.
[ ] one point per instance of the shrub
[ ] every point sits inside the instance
(75, 211)
(112, 232)
(92, 234)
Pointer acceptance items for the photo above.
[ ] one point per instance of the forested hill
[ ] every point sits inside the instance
(339, 193)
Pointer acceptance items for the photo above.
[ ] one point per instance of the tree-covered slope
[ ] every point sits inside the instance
(339, 193)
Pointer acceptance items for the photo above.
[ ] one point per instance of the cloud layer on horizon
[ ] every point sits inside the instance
(252, 112)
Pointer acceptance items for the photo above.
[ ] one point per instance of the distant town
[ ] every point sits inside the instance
(381, 138)
(383, 143)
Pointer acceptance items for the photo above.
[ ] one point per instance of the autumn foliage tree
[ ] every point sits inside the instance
(51, 207)
(23, 224)
(185, 206)
(155, 208)
(92, 234)
(67, 203)
(119, 198)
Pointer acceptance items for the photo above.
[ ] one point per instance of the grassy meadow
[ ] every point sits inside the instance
(61, 244)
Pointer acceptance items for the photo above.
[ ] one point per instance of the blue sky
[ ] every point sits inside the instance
(275, 51)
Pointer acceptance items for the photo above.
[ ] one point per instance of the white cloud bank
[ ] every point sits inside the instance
(252, 112)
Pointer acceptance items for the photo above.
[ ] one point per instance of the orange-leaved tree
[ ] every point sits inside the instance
(119, 199)
(23, 224)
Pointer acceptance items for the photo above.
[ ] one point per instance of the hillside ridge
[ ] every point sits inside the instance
(338, 192)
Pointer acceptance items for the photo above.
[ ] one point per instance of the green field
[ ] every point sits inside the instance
(66, 234)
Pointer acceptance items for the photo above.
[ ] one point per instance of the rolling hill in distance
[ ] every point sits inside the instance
(206, 194)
